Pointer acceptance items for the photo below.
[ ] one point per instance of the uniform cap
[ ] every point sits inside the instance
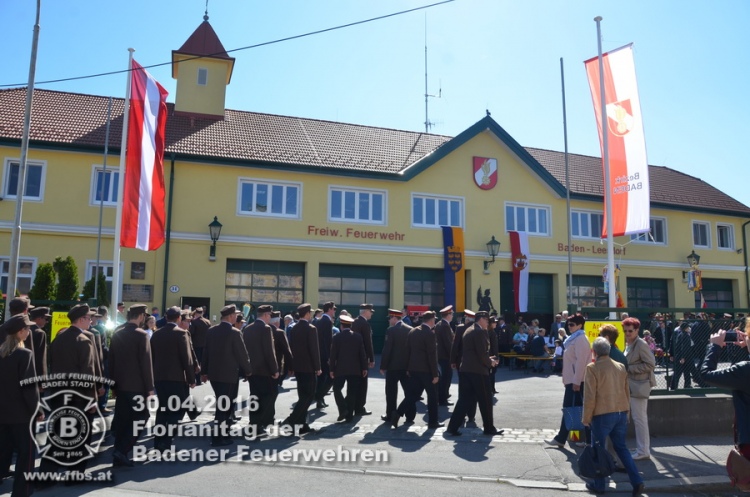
(446, 310)
(345, 319)
(173, 312)
(228, 310)
(428, 315)
(482, 314)
(276, 314)
(262, 309)
(39, 312)
(138, 309)
(396, 313)
(18, 305)
(78, 311)
(15, 324)
(469, 312)
(304, 309)
(367, 306)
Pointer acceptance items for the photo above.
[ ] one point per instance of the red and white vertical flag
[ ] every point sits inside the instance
(629, 181)
(143, 213)
(519, 256)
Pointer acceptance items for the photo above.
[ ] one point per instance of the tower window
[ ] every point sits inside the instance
(202, 76)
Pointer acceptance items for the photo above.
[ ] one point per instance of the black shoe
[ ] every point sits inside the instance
(590, 488)
(307, 429)
(362, 412)
(408, 422)
(495, 391)
(446, 403)
(433, 426)
(194, 414)
(493, 431)
(385, 417)
(349, 419)
(620, 469)
(120, 459)
(638, 490)
(342, 417)
(394, 419)
(321, 405)
(453, 433)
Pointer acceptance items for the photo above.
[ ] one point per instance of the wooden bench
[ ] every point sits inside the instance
(524, 357)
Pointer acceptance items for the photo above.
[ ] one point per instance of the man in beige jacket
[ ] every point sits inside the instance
(606, 403)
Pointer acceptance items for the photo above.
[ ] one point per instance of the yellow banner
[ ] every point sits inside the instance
(60, 321)
(592, 332)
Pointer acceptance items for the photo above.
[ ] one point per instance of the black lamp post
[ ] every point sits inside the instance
(493, 247)
(693, 259)
(214, 230)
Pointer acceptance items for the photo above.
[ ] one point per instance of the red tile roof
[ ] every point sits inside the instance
(204, 41)
(79, 120)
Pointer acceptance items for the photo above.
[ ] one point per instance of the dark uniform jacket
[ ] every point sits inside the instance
(362, 326)
(444, 337)
(735, 378)
(198, 331)
(19, 403)
(258, 338)
(457, 349)
(303, 340)
(96, 340)
(324, 326)
(348, 356)
(171, 355)
(422, 350)
(505, 337)
(130, 364)
(37, 343)
(225, 354)
(493, 342)
(475, 357)
(73, 352)
(395, 355)
(281, 347)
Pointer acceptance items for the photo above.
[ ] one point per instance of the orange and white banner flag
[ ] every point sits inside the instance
(629, 181)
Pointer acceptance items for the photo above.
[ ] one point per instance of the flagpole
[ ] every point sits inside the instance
(120, 188)
(15, 239)
(607, 189)
(567, 184)
(101, 202)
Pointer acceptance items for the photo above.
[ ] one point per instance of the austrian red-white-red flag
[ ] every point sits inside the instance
(519, 257)
(629, 181)
(143, 214)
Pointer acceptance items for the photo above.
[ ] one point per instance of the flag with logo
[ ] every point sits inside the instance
(143, 213)
(519, 257)
(454, 272)
(628, 180)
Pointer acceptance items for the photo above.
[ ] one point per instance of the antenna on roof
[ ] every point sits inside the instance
(205, 16)
(427, 123)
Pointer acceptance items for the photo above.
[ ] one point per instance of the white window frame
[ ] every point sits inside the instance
(587, 213)
(95, 169)
(270, 184)
(6, 178)
(730, 229)
(517, 205)
(647, 241)
(437, 198)
(357, 192)
(204, 71)
(91, 263)
(32, 260)
(708, 233)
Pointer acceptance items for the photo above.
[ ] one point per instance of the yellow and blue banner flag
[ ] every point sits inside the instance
(455, 274)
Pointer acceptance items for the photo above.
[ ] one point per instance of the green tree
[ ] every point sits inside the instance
(88, 290)
(67, 278)
(44, 283)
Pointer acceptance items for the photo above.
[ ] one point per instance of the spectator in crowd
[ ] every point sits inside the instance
(150, 327)
(605, 409)
(641, 379)
(521, 338)
(557, 363)
(683, 358)
(609, 332)
(538, 348)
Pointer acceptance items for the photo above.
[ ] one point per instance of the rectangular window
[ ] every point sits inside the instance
(34, 180)
(701, 234)
(361, 206)
(280, 284)
(657, 234)
(424, 287)
(433, 212)
(104, 186)
(533, 219)
(725, 236)
(260, 198)
(202, 76)
(586, 224)
(24, 276)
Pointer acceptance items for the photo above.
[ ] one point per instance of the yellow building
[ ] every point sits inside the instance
(317, 210)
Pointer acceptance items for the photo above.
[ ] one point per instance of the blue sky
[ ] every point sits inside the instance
(691, 58)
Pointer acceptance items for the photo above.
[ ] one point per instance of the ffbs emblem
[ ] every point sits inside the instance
(455, 258)
(485, 173)
(520, 262)
(620, 117)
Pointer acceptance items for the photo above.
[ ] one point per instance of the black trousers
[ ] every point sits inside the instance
(362, 397)
(171, 395)
(473, 390)
(446, 377)
(306, 383)
(324, 381)
(687, 370)
(128, 413)
(266, 390)
(223, 409)
(392, 380)
(347, 405)
(199, 356)
(236, 404)
(16, 438)
(418, 382)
